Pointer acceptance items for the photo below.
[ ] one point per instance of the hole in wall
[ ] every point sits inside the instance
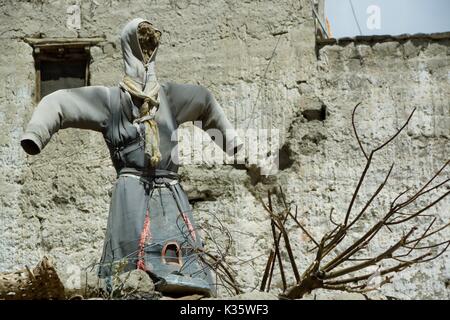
(285, 160)
(315, 114)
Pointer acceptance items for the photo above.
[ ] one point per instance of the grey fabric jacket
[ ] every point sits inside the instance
(110, 110)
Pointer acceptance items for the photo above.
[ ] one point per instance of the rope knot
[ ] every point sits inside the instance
(147, 112)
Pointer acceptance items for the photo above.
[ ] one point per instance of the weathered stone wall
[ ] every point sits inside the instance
(390, 79)
(56, 203)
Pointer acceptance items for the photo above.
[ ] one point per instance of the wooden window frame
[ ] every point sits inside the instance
(48, 48)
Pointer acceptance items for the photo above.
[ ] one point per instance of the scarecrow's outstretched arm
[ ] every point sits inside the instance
(84, 108)
(196, 103)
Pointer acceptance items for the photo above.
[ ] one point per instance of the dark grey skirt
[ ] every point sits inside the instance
(151, 227)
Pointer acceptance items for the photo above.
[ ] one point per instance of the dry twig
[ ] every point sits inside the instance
(343, 269)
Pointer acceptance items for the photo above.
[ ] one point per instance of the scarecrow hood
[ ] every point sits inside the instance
(140, 42)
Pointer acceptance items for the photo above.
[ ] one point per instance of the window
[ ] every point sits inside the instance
(61, 64)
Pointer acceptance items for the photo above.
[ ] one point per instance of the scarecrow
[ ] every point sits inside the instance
(150, 224)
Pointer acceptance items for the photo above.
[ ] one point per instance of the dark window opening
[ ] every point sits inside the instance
(60, 67)
(57, 75)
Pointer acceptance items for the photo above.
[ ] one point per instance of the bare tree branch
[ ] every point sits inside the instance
(355, 257)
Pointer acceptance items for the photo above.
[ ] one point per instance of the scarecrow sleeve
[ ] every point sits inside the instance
(83, 108)
(196, 103)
